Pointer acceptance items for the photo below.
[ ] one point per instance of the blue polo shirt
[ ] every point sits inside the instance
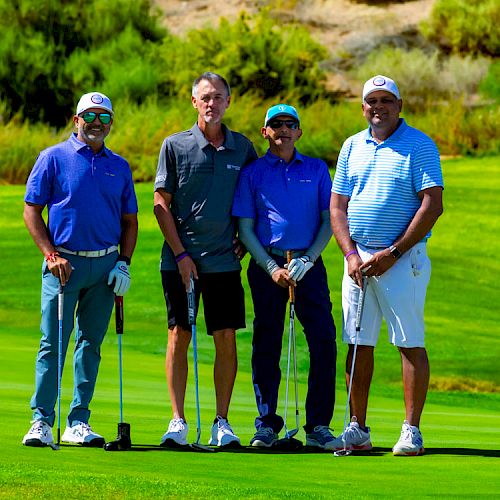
(86, 194)
(383, 180)
(284, 199)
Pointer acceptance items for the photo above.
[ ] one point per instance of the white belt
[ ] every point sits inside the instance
(89, 253)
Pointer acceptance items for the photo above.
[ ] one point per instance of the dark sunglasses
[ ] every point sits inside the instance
(90, 116)
(277, 124)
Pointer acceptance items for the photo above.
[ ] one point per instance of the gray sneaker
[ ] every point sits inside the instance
(265, 437)
(322, 437)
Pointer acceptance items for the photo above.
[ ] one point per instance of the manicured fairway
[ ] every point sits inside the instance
(460, 426)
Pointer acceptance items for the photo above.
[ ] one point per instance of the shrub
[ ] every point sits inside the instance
(51, 51)
(490, 86)
(465, 26)
(255, 54)
(424, 79)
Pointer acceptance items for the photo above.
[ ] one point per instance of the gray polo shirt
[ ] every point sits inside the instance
(202, 181)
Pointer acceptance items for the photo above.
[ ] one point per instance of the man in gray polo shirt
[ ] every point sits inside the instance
(194, 187)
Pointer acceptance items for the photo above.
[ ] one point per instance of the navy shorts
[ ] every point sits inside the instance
(222, 294)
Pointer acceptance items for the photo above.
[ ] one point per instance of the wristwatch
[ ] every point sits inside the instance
(395, 252)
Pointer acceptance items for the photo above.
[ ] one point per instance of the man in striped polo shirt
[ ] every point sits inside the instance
(386, 197)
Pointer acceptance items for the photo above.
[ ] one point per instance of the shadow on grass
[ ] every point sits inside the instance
(375, 452)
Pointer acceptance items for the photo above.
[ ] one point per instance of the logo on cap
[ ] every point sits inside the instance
(97, 99)
(379, 81)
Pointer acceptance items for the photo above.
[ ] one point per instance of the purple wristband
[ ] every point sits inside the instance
(180, 256)
(348, 254)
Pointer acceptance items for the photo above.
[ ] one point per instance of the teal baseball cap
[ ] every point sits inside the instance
(279, 110)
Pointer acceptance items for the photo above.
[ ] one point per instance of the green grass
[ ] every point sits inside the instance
(460, 427)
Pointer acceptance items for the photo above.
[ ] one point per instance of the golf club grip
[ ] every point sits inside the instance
(191, 298)
(291, 289)
(119, 314)
(361, 300)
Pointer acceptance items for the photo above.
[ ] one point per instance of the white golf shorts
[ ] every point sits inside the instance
(398, 296)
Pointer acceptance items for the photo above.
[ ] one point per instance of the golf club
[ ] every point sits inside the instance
(60, 315)
(191, 298)
(288, 442)
(122, 441)
(359, 312)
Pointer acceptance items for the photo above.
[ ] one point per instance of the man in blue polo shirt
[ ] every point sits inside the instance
(282, 202)
(387, 195)
(92, 213)
(194, 188)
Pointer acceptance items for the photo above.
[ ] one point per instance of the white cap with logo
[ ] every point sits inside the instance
(380, 82)
(94, 100)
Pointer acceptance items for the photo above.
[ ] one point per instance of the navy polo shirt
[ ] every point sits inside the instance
(284, 199)
(86, 194)
(202, 180)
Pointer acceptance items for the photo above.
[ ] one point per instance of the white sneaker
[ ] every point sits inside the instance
(82, 433)
(176, 434)
(223, 435)
(410, 442)
(356, 438)
(40, 434)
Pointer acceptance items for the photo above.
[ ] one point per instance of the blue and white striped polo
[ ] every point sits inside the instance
(383, 181)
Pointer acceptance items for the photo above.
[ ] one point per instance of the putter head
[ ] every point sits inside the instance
(122, 441)
(54, 446)
(342, 453)
(288, 444)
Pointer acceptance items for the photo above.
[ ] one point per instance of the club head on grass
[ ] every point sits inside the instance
(54, 446)
(342, 453)
(288, 444)
(118, 445)
(201, 447)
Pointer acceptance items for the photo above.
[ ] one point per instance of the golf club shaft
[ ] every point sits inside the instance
(191, 298)
(119, 317)
(60, 316)
(359, 314)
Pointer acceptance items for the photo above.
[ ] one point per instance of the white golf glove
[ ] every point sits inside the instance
(299, 267)
(121, 276)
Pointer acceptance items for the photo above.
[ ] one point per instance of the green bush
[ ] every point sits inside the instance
(425, 79)
(490, 86)
(52, 51)
(255, 54)
(465, 26)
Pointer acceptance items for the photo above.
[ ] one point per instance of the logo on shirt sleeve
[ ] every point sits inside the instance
(233, 167)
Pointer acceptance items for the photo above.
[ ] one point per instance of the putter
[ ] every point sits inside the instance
(288, 442)
(60, 315)
(191, 298)
(359, 312)
(122, 441)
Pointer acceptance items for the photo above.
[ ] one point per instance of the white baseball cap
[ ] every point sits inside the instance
(380, 82)
(94, 100)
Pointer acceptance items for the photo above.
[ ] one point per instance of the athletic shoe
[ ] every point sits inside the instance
(223, 435)
(40, 434)
(176, 434)
(321, 437)
(82, 433)
(265, 437)
(355, 437)
(410, 442)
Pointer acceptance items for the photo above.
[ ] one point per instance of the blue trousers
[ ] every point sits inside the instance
(314, 311)
(86, 291)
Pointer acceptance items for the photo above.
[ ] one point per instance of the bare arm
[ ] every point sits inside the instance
(340, 227)
(431, 208)
(58, 266)
(162, 201)
(129, 234)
